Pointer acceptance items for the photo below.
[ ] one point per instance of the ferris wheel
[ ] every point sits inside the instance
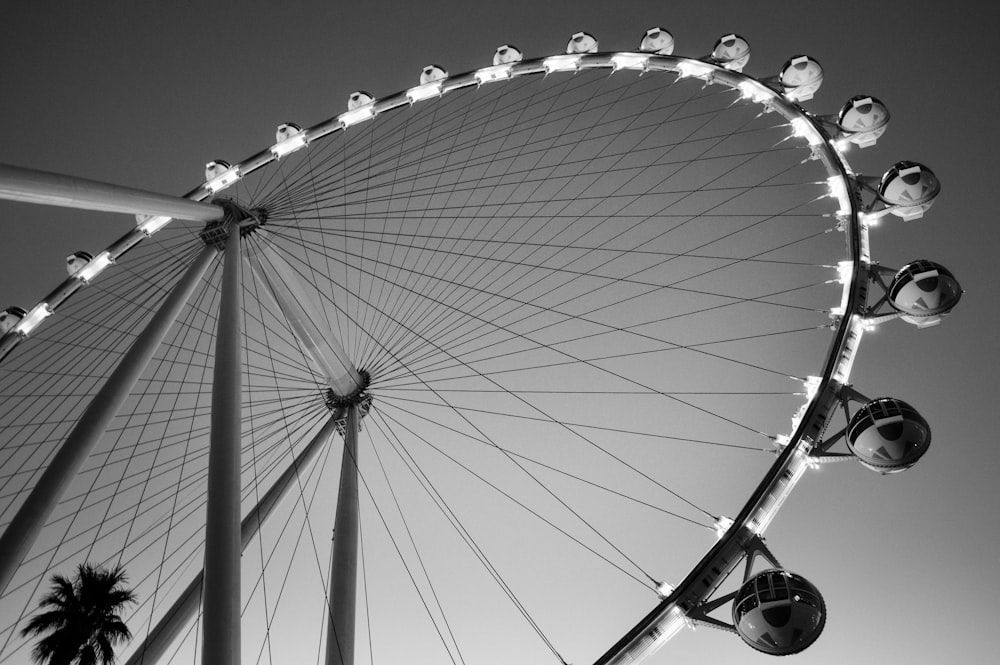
(543, 346)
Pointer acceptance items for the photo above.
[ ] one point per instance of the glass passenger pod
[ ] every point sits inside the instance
(732, 52)
(863, 119)
(658, 41)
(506, 55)
(778, 612)
(358, 99)
(910, 188)
(432, 73)
(10, 317)
(888, 435)
(76, 261)
(581, 42)
(924, 292)
(800, 78)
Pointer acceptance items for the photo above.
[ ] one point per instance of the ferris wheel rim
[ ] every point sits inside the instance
(751, 88)
(842, 349)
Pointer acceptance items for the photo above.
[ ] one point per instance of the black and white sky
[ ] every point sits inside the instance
(143, 93)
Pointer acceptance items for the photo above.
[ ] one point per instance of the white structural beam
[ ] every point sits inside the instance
(185, 608)
(23, 530)
(221, 603)
(305, 316)
(344, 562)
(45, 188)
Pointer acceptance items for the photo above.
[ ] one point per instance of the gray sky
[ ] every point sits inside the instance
(143, 94)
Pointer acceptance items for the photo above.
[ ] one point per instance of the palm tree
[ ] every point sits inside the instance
(79, 618)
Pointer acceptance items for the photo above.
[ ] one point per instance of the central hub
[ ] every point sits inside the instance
(360, 398)
(234, 215)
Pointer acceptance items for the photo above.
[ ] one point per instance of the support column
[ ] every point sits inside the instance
(221, 605)
(21, 533)
(344, 563)
(184, 609)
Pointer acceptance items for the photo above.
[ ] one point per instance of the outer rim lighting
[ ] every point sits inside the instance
(562, 63)
(360, 114)
(149, 224)
(494, 73)
(39, 313)
(95, 267)
(289, 145)
(425, 91)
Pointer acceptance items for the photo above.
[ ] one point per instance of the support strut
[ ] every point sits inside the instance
(184, 609)
(56, 189)
(344, 562)
(21, 533)
(221, 604)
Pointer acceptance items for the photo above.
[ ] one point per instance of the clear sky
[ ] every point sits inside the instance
(144, 93)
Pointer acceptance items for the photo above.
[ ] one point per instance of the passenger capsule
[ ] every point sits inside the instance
(286, 131)
(732, 52)
(76, 261)
(924, 291)
(657, 40)
(507, 54)
(863, 120)
(357, 99)
(582, 42)
(778, 612)
(432, 73)
(910, 188)
(888, 435)
(10, 317)
(800, 78)
(216, 168)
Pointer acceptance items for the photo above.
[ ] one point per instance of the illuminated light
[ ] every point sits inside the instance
(289, 145)
(805, 129)
(562, 63)
(31, 320)
(630, 61)
(94, 267)
(812, 385)
(722, 525)
(657, 636)
(150, 224)
(224, 179)
(841, 145)
(357, 115)
(837, 311)
(425, 91)
(868, 219)
(755, 91)
(694, 68)
(766, 513)
(838, 190)
(664, 589)
(496, 73)
(781, 441)
(845, 271)
(854, 333)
